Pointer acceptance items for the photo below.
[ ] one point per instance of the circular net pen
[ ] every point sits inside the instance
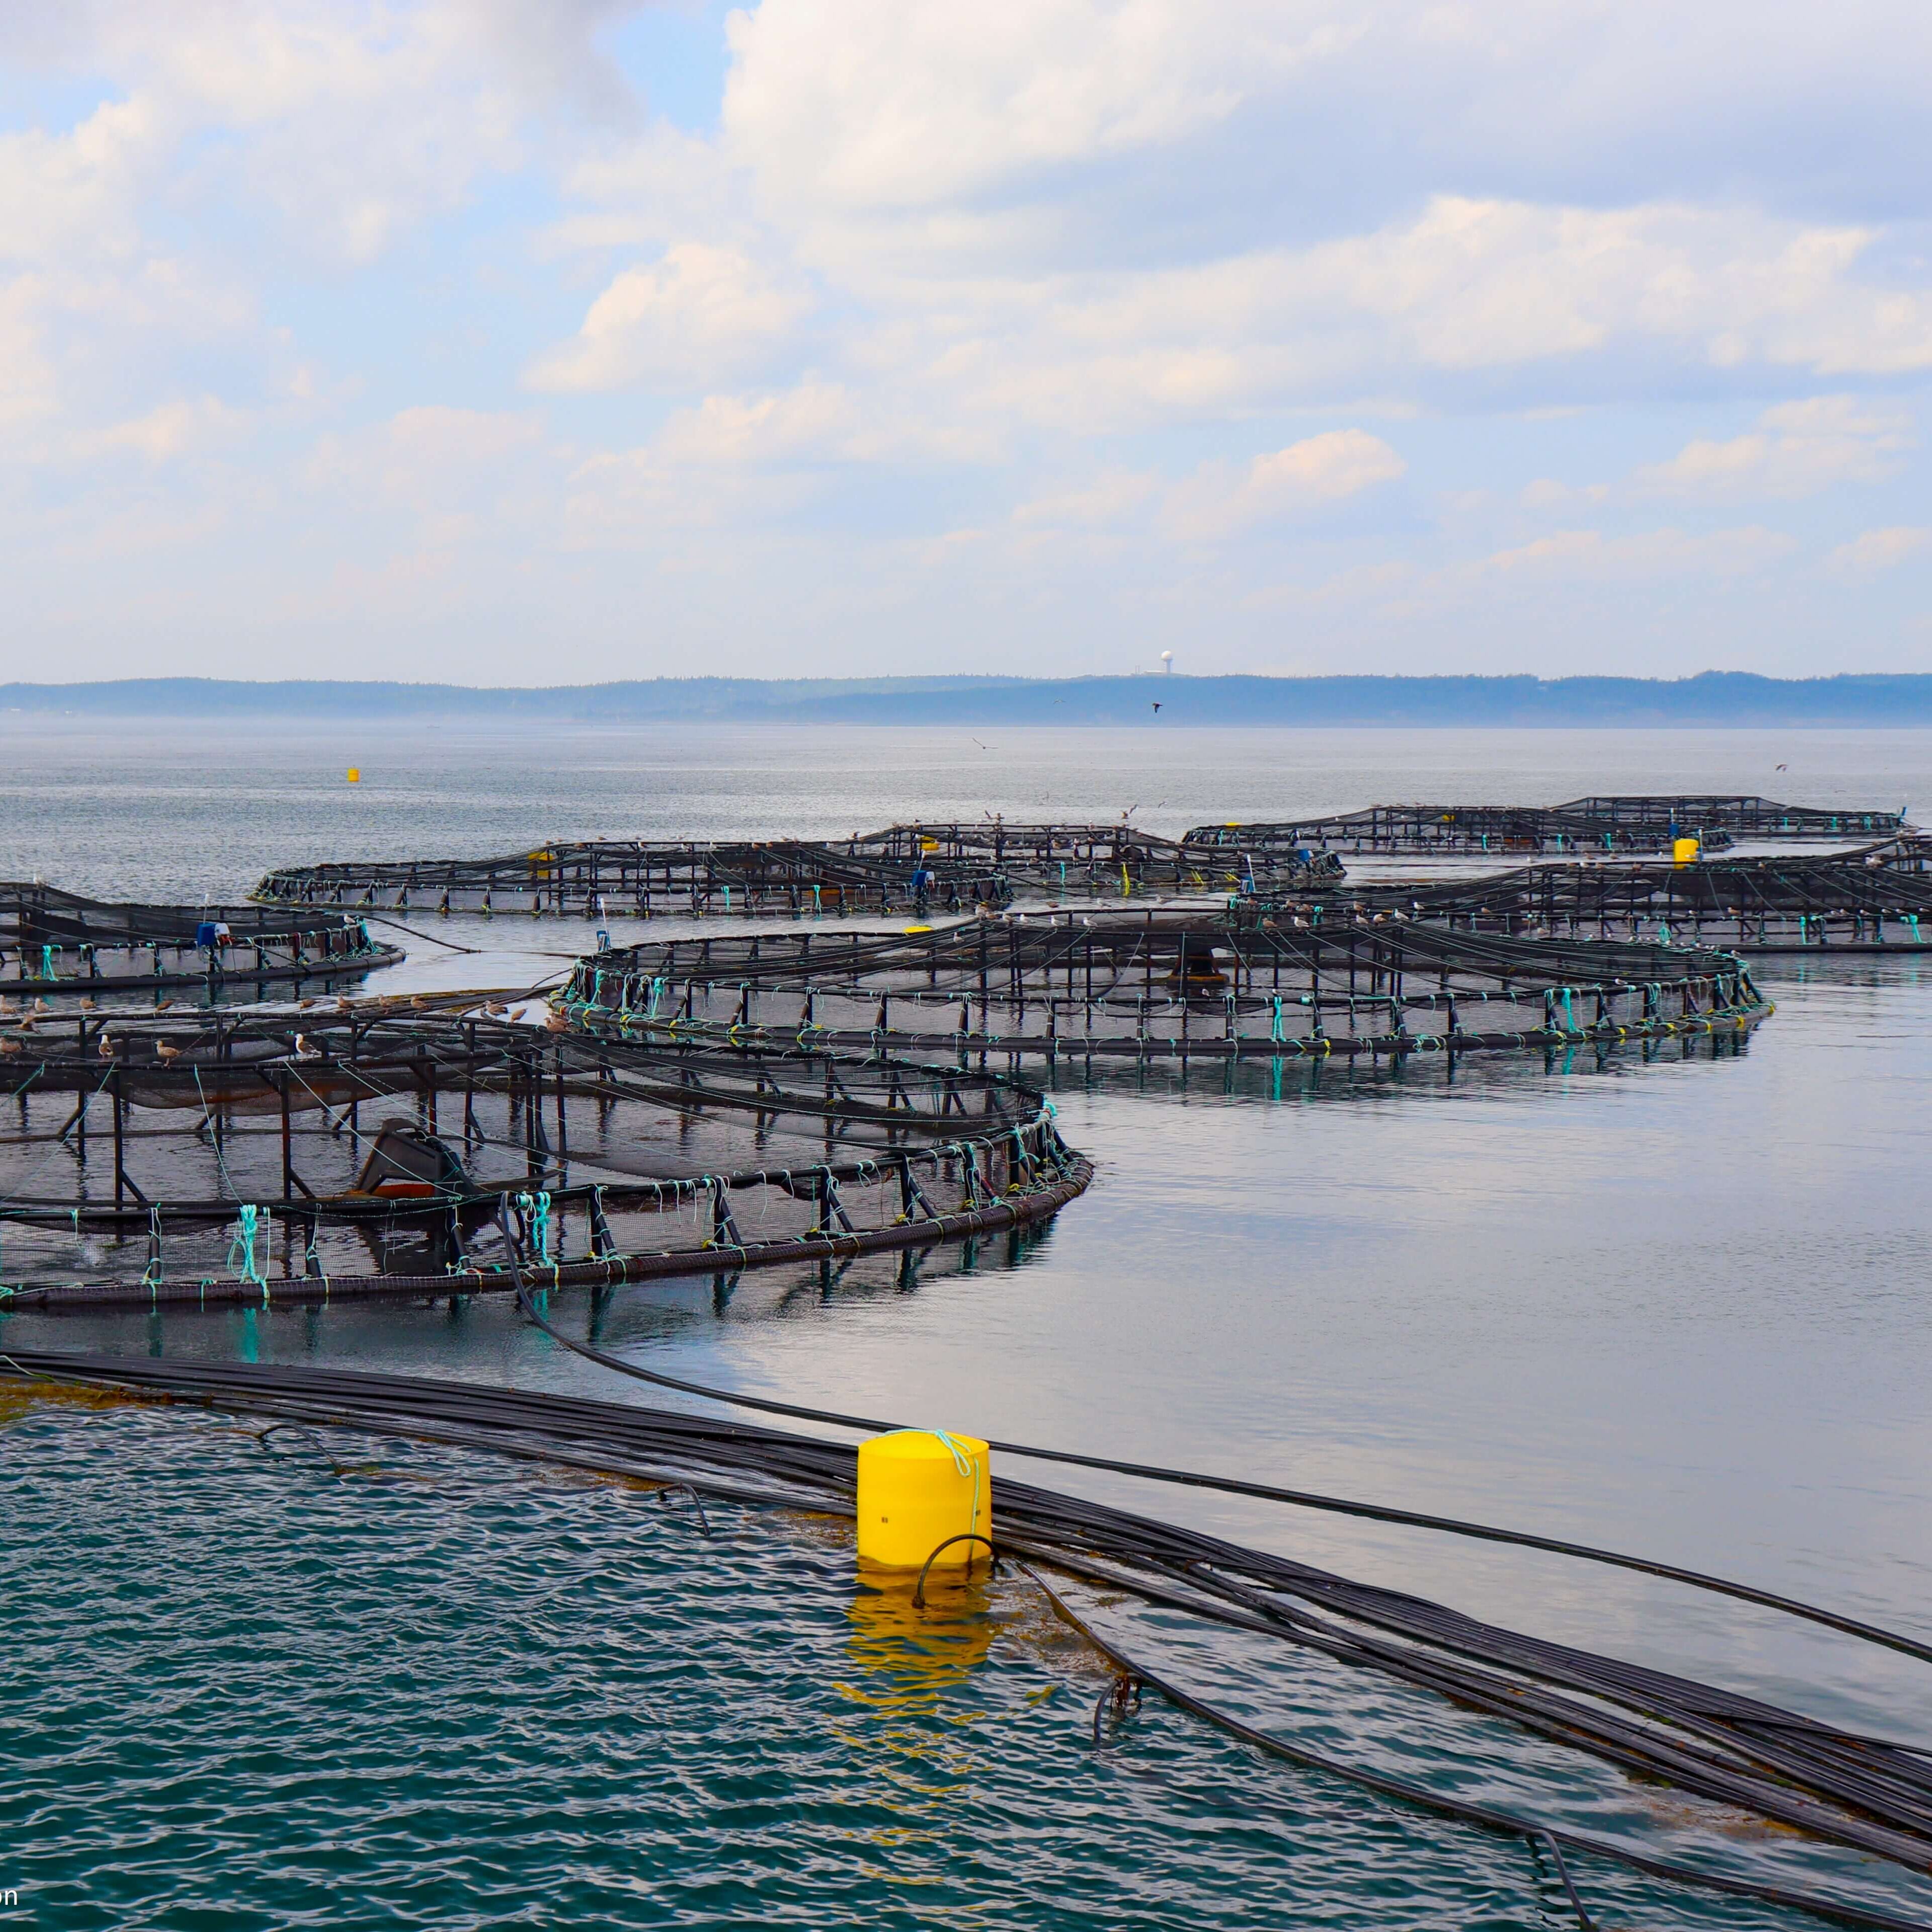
(1455, 832)
(229, 1158)
(1605, 825)
(908, 871)
(55, 944)
(1875, 901)
(1288, 985)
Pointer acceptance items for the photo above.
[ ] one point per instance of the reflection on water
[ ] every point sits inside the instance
(907, 1659)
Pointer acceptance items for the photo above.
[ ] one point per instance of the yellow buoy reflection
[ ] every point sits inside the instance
(905, 1659)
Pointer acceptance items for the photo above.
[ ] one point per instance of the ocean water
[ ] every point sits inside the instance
(1674, 1304)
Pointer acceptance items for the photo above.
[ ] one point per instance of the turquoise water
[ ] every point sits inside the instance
(1675, 1305)
(244, 1690)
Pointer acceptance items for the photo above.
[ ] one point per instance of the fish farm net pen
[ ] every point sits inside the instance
(1868, 1794)
(1874, 900)
(57, 944)
(907, 869)
(1642, 822)
(1326, 981)
(381, 1146)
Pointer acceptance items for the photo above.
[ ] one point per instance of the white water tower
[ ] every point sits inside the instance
(1167, 662)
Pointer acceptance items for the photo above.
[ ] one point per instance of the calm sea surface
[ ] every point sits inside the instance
(1678, 1306)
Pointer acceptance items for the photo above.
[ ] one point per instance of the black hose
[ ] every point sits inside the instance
(1265, 1492)
(1086, 1538)
(1478, 1815)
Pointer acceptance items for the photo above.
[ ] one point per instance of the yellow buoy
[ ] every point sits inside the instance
(355, 774)
(1683, 851)
(918, 1488)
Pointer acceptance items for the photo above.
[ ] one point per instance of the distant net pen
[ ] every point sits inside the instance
(1876, 899)
(1319, 983)
(56, 945)
(1604, 825)
(905, 870)
(275, 1157)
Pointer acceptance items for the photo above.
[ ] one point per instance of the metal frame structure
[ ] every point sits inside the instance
(55, 942)
(1875, 901)
(189, 1151)
(906, 870)
(1607, 825)
(1342, 984)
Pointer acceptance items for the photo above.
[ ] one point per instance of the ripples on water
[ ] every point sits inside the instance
(434, 1690)
(1673, 1304)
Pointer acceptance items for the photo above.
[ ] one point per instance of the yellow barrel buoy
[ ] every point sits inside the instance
(355, 774)
(917, 1488)
(1683, 850)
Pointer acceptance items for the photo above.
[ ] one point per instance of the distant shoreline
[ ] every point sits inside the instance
(1711, 699)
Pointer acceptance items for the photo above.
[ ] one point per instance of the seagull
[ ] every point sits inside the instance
(106, 1048)
(164, 1051)
(41, 1007)
(303, 1005)
(1156, 704)
(497, 1010)
(10, 1046)
(305, 1052)
(1784, 768)
(87, 1005)
(162, 1006)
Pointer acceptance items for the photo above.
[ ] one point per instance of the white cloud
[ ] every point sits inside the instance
(698, 313)
(175, 428)
(1218, 502)
(1798, 449)
(815, 418)
(460, 476)
(1877, 551)
(841, 103)
(1642, 557)
(1054, 270)
(1110, 498)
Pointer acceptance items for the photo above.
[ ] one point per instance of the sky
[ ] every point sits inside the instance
(501, 342)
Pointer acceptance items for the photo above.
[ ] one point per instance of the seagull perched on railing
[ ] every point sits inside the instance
(303, 1049)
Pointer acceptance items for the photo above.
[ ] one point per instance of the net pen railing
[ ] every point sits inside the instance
(54, 943)
(1877, 899)
(262, 1157)
(912, 870)
(1350, 985)
(1602, 825)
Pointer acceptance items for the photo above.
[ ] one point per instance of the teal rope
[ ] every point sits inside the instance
(241, 1250)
